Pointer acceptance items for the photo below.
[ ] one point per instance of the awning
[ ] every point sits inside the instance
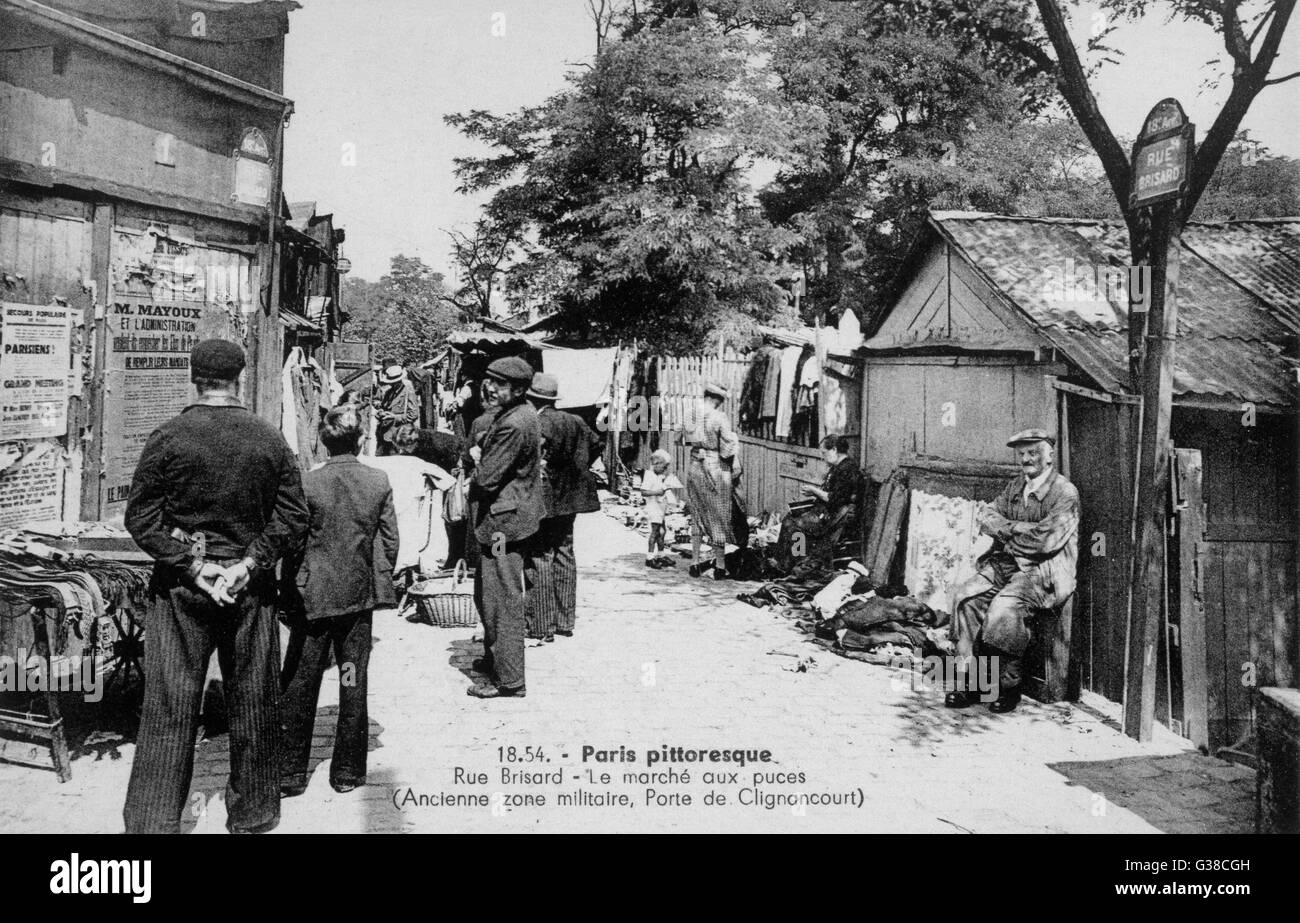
(295, 321)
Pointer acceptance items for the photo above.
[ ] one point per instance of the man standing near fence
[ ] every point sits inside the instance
(567, 490)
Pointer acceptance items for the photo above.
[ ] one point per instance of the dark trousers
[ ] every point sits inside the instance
(499, 595)
(457, 534)
(182, 629)
(552, 579)
(993, 617)
(310, 643)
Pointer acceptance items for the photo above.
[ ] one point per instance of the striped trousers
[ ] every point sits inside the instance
(182, 629)
(552, 604)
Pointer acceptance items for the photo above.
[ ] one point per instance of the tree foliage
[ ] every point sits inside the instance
(715, 150)
(406, 314)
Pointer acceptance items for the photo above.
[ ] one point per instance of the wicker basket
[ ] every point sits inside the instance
(445, 600)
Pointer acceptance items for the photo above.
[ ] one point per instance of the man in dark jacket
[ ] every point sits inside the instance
(398, 405)
(507, 494)
(330, 596)
(567, 490)
(216, 500)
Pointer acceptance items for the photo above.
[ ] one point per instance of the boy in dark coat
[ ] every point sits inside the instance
(329, 601)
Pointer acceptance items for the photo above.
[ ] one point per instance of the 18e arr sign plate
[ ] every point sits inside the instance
(1161, 155)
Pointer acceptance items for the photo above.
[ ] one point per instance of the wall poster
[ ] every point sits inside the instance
(35, 358)
(168, 294)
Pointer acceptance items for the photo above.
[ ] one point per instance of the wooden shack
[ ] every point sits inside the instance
(140, 182)
(1001, 323)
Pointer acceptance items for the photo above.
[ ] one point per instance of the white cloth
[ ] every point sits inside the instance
(657, 507)
(785, 396)
(417, 506)
(583, 375)
(832, 596)
(848, 333)
(288, 399)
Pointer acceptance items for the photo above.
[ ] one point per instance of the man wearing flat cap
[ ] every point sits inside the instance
(507, 492)
(1035, 528)
(216, 500)
(567, 490)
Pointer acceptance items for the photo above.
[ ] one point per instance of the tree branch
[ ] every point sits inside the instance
(1073, 84)
(1276, 81)
(1246, 85)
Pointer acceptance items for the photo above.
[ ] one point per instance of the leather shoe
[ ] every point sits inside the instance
(960, 698)
(343, 787)
(493, 691)
(1005, 702)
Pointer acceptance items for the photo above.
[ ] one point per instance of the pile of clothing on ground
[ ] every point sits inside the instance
(846, 612)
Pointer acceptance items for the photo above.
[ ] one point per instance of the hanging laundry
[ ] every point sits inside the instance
(771, 385)
(785, 393)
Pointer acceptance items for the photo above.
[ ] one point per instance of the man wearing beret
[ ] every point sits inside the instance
(507, 493)
(567, 490)
(1035, 528)
(216, 500)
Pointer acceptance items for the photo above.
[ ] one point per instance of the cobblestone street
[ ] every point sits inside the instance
(661, 659)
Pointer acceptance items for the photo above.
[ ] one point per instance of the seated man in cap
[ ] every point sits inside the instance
(507, 495)
(1035, 528)
(216, 501)
(567, 489)
(398, 405)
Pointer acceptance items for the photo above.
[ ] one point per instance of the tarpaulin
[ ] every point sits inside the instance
(583, 374)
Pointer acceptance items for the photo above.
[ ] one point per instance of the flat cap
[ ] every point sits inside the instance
(511, 368)
(716, 389)
(546, 387)
(1032, 435)
(218, 359)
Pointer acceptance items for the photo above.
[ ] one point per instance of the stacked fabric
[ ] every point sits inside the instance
(78, 590)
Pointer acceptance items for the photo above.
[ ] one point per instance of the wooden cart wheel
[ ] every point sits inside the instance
(128, 656)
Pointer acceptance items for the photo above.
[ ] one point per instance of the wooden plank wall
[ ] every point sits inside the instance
(1102, 470)
(1249, 581)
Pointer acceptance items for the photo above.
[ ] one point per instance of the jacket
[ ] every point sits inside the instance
(352, 541)
(567, 486)
(507, 486)
(1042, 535)
(403, 403)
(220, 470)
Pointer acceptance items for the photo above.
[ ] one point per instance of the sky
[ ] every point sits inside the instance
(372, 79)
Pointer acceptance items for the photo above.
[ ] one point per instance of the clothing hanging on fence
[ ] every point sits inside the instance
(835, 402)
(751, 393)
(785, 392)
(771, 385)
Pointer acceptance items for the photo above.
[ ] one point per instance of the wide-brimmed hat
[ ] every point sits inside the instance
(392, 375)
(1032, 435)
(715, 389)
(511, 368)
(545, 387)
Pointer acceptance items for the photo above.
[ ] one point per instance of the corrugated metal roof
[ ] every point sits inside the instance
(1238, 305)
